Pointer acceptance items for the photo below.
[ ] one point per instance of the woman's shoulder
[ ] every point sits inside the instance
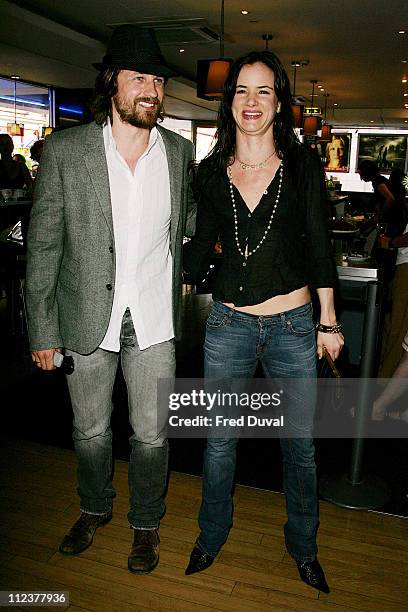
(207, 174)
(301, 158)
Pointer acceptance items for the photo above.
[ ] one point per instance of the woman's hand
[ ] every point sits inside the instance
(332, 343)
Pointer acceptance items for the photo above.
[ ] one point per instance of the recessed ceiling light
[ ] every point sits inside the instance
(404, 79)
(335, 104)
(402, 31)
(405, 95)
(404, 61)
(244, 12)
(181, 50)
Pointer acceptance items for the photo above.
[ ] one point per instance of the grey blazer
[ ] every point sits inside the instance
(71, 249)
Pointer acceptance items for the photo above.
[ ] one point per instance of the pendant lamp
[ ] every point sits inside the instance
(15, 129)
(211, 74)
(326, 128)
(46, 131)
(311, 122)
(297, 109)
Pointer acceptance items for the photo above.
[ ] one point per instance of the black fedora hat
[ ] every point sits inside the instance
(134, 48)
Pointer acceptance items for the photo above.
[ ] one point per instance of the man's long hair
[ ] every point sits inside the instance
(106, 86)
(283, 132)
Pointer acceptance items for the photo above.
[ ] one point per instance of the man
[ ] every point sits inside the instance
(104, 279)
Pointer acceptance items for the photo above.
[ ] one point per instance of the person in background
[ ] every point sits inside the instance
(263, 193)
(19, 158)
(396, 179)
(397, 386)
(383, 195)
(14, 174)
(104, 280)
(35, 154)
(396, 321)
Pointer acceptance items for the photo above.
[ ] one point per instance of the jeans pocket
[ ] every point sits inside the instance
(217, 319)
(302, 325)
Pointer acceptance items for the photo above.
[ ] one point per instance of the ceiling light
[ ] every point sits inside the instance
(211, 74)
(404, 61)
(244, 12)
(297, 109)
(311, 123)
(405, 105)
(326, 128)
(371, 120)
(404, 79)
(402, 31)
(266, 38)
(15, 129)
(181, 50)
(335, 104)
(405, 94)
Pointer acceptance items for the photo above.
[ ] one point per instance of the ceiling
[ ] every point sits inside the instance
(353, 47)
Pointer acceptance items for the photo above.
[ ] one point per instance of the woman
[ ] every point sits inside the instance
(262, 192)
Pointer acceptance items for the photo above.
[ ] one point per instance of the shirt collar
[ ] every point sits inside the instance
(154, 137)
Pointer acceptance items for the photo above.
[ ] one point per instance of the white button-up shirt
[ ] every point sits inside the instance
(141, 209)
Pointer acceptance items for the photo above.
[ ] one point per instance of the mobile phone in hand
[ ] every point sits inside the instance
(65, 364)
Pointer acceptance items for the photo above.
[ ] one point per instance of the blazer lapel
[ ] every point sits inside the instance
(174, 160)
(95, 161)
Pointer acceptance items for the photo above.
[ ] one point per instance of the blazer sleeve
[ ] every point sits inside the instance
(191, 201)
(44, 252)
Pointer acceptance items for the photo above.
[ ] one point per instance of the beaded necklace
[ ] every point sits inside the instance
(261, 164)
(246, 253)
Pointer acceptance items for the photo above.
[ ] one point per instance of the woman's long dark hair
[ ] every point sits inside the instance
(283, 132)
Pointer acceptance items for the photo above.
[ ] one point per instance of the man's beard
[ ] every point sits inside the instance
(130, 113)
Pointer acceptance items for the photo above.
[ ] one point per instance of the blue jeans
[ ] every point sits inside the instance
(285, 346)
(90, 387)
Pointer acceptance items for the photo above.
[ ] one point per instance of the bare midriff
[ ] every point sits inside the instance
(276, 304)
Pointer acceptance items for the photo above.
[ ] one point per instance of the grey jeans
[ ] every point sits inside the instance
(90, 387)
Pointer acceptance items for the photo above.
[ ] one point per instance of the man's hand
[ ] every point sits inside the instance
(45, 359)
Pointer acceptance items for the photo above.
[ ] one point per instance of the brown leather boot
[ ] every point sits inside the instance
(144, 555)
(81, 534)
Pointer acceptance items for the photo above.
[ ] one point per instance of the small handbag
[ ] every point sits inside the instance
(326, 368)
(331, 394)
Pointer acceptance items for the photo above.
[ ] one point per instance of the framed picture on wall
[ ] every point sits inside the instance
(335, 153)
(387, 151)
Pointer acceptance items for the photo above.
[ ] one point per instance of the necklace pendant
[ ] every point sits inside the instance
(246, 252)
(244, 166)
